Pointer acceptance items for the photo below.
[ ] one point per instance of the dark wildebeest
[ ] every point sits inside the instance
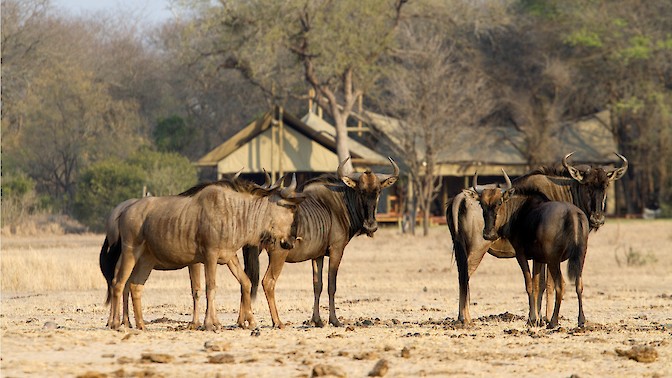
(336, 209)
(583, 186)
(206, 224)
(545, 232)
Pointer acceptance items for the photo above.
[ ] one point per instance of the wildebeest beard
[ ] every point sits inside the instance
(266, 239)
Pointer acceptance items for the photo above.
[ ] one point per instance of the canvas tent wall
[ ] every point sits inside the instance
(280, 142)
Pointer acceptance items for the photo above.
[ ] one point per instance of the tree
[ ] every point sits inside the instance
(433, 85)
(335, 43)
(165, 173)
(621, 55)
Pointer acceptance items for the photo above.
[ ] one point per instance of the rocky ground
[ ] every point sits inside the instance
(397, 296)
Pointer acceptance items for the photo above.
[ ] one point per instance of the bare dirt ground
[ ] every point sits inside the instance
(397, 294)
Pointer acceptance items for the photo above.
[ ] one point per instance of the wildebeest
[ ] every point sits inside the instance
(584, 186)
(111, 250)
(545, 232)
(336, 209)
(206, 224)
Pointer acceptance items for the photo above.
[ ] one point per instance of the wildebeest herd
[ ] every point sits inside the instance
(544, 216)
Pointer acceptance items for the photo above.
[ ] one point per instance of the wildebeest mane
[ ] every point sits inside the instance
(327, 179)
(556, 170)
(241, 186)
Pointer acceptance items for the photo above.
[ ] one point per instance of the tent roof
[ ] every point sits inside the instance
(590, 138)
(310, 126)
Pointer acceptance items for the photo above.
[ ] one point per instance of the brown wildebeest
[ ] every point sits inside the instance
(545, 232)
(110, 252)
(584, 186)
(336, 209)
(206, 224)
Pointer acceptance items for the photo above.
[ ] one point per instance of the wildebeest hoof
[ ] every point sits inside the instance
(336, 323)
(279, 325)
(317, 323)
(195, 326)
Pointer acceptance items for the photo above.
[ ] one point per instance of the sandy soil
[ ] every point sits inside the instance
(398, 296)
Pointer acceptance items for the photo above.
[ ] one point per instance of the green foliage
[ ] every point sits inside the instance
(638, 48)
(165, 173)
(173, 135)
(102, 186)
(105, 184)
(584, 38)
(18, 197)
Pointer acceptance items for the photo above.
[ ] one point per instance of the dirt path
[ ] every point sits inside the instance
(398, 296)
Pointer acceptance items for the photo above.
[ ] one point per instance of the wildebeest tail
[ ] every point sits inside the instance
(109, 255)
(578, 244)
(459, 240)
(251, 261)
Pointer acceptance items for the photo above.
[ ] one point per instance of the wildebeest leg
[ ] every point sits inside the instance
(211, 322)
(579, 294)
(554, 271)
(318, 263)
(195, 272)
(276, 260)
(522, 261)
(126, 264)
(466, 267)
(335, 256)
(537, 292)
(137, 283)
(245, 317)
(550, 290)
(126, 313)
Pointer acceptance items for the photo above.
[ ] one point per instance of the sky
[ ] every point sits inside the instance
(153, 10)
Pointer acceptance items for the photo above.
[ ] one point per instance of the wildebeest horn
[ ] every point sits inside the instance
(625, 161)
(235, 177)
(395, 173)
(289, 192)
(574, 172)
(474, 185)
(340, 168)
(508, 181)
(267, 179)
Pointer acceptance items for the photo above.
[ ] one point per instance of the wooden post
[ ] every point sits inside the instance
(281, 137)
(272, 146)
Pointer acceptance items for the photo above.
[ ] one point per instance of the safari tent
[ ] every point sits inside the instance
(490, 150)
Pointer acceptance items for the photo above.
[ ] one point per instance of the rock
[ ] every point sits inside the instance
(159, 358)
(406, 353)
(222, 358)
(380, 369)
(365, 356)
(50, 325)
(257, 332)
(639, 353)
(217, 346)
(327, 371)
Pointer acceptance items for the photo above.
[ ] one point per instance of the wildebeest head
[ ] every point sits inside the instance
(367, 186)
(594, 183)
(491, 198)
(284, 220)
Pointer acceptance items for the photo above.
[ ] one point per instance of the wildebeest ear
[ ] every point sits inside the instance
(388, 181)
(472, 194)
(507, 194)
(349, 182)
(575, 173)
(616, 174)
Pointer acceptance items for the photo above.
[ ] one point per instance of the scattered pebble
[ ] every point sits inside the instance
(257, 332)
(639, 353)
(380, 368)
(159, 358)
(50, 325)
(406, 353)
(365, 356)
(217, 346)
(222, 358)
(327, 370)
